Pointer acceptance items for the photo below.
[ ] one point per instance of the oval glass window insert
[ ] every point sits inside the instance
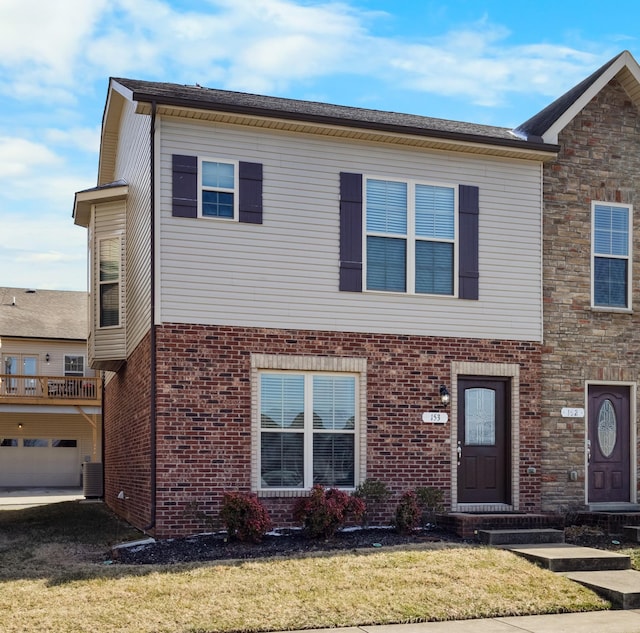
(607, 428)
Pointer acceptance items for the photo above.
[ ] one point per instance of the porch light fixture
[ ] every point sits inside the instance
(47, 357)
(19, 425)
(444, 395)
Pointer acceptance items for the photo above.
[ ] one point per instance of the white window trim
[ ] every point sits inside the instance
(99, 283)
(410, 236)
(84, 364)
(629, 257)
(234, 191)
(309, 365)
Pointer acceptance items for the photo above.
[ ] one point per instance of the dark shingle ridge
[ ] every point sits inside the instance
(534, 128)
(313, 111)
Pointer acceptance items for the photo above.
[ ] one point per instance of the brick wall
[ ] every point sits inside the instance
(127, 407)
(599, 160)
(204, 411)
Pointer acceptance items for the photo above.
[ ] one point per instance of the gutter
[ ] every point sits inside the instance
(467, 137)
(152, 336)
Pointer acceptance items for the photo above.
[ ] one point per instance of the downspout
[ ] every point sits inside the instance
(152, 333)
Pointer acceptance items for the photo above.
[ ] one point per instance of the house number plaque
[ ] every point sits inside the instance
(435, 417)
(572, 412)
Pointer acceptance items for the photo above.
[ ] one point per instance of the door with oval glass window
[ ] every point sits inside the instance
(608, 445)
(483, 441)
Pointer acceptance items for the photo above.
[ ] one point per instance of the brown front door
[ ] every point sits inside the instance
(608, 447)
(483, 441)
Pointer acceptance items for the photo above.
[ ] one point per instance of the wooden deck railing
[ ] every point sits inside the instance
(49, 389)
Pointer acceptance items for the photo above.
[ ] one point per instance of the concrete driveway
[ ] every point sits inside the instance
(18, 498)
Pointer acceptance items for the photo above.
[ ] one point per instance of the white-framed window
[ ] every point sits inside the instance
(217, 186)
(73, 365)
(611, 255)
(109, 249)
(410, 237)
(309, 422)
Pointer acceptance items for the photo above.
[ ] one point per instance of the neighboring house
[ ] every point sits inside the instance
(281, 292)
(50, 400)
(591, 355)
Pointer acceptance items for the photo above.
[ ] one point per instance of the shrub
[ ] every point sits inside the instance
(324, 511)
(372, 492)
(431, 501)
(408, 513)
(244, 516)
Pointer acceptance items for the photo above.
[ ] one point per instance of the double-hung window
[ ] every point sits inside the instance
(611, 261)
(410, 237)
(307, 429)
(109, 281)
(218, 183)
(73, 365)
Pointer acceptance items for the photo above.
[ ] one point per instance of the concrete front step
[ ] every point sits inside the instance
(517, 536)
(621, 587)
(560, 557)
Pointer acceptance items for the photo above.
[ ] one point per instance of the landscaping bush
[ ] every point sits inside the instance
(244, 517)
(431, 501)
(324, 511)
(408, 513)
(373, 492)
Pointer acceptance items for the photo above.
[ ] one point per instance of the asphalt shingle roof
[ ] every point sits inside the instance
(245, 103)
(50, 314)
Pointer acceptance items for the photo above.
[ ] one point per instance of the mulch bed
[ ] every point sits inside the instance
(210, 547)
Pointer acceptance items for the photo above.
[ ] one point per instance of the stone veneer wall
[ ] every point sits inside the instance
(204, 411)
(599, 160)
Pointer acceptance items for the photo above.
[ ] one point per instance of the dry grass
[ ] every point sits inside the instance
(58, 583)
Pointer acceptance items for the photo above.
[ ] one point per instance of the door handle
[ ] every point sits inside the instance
(588, 451)
(459, 453)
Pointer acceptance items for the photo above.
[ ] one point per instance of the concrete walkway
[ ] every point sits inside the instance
(592, 622)
(12, 498)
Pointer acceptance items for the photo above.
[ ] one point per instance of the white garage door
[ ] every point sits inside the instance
(39, 462)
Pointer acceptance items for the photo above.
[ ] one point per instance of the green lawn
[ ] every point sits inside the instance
(54, 578)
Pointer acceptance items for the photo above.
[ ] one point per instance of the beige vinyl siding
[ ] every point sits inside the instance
(284, 273)
(133, 166)
(108, 343)
(57, 350)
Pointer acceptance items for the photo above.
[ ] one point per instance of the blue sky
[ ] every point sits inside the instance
(493, 62)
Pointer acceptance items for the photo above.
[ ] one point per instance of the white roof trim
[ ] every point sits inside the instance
(624, 60)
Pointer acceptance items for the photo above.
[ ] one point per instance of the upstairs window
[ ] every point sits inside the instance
(218, 189)
(611, 247)
(73, 365)
(109, 281)
(410, 237)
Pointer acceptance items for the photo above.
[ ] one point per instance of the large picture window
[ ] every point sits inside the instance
(307, 429)
(410, 237)
(611, 247)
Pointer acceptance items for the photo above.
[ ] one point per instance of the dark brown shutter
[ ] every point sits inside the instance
(185, 186)
(351, 232)
(250, 192)
(468, 268)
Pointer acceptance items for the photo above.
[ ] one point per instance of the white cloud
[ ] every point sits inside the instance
(21, 157)
(43, 40)
(84, 138)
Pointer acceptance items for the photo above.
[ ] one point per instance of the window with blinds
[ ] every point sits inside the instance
(410, 237)
(611, 265)
(109, 281)
(307, 430)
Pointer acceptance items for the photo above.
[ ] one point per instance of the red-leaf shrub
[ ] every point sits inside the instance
(408, 513)
(323, 512)
(244, 516)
